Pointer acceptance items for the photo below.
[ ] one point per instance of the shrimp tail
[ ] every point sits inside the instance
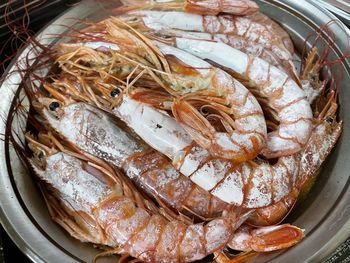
(266, 239)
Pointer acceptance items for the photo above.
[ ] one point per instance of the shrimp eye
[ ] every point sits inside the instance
(54, 106)
(329, 119)
(41, 155)
(114, 93)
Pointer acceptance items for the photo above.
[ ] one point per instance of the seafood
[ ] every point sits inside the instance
(92, 131)
(165, 127)
(220, 177)
(237, 42)
(265, 239)
(275, 28)
(220, 28)
(96, 209)
(248, 185)
(205, 83)
(284, 97)
(282, 93)
(124, 95)
(206, 7)
(141, 159)
(325, 134)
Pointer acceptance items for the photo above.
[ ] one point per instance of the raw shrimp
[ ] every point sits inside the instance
(237, 42)
(282, 93)
(220, 27)
(93, 132)
(204, 7)
(197, 80)
(94, 208)
(248, 185)
(325, 134)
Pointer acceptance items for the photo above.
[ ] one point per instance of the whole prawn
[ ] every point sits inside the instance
(222, 179)
(220, 28)
(325, 134)
(196, 80)
(93, 132)
(140, 165)
(283, 95)
(94, 208)
(285, 99)
(191, 157)
(248, 185)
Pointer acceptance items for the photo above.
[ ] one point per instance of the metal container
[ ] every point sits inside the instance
(324, 214)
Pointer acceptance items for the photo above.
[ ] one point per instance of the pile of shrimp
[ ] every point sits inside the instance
(176, 130)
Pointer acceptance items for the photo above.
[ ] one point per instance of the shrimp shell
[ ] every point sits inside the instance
(94, 132)
(237, 42)
(196, 163)
(325, 134)
(246, 185)
(134, 230)
(247, 27)
(249, 133)
(282, 93)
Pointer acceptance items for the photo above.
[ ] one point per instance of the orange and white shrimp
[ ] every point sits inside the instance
(247, 185)
(325, 134)
(195, 80)
(203, 7)
(283, 94)
(220, 27)
(237, 42)
(92, 131)
(218, 176)
(93, 205)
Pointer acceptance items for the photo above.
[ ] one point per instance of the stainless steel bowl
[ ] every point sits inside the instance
(324, 214)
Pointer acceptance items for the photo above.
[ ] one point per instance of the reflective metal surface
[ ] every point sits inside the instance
(324, 214)
(340, 8)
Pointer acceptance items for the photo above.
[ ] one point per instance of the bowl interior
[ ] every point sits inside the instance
(323, 214)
